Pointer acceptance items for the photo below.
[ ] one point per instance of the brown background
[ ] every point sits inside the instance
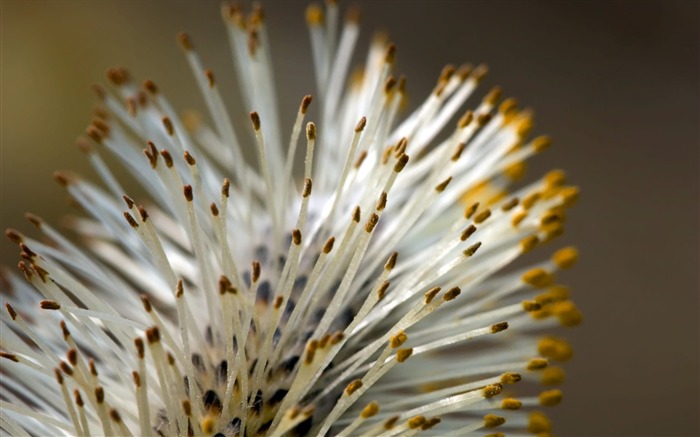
(614, 83)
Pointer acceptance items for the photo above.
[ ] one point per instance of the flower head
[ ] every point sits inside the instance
(368, 297)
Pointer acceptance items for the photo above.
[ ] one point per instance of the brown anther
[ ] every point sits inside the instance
(59, 375)
(483, 119)
(442, 185)
(381, 203)
(225, 188)
(467, 232)
(381, 291)
(451, 294)
(49, 305)
(391, 262)
(11, 311)
(482, 216)
(305, 102)
(214, 209)
(255, 119)
(356, 214)
(371, 223)
(138, 342)
(360, 126)
(296, 237)
(307, 188)
(211, 80)
(328, 246)
(185, 41)
(390, 54)
(65, 368)
(72, 356)
(471, 250)
(401, 163)
(13, 236)
(360, 159)
(9, 356)
(153, 335)
(256, 272)
(311, 347)
(498, 327)
(99, 395)
(187, 191)
(137, 378)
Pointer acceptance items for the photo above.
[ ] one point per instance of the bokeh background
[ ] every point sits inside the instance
(615, 83)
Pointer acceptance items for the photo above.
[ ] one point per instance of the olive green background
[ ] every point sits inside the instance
(615, 83)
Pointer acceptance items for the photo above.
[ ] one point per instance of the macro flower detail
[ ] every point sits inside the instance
(369, 292)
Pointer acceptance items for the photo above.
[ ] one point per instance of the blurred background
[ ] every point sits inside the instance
(615, 83)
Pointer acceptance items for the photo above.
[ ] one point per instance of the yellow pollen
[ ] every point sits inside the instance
(555, 348)
(416, 421)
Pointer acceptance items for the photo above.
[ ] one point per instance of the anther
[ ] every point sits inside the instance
(492, 421)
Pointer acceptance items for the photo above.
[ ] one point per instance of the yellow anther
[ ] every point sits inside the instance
(511, 404)
(207, 424)
(538, 278)
(492, 421)
(370, 410)
(510, 378)
(398, 339)
(552, 376)
(550, 398)
(555, 348)
(567, 312)
(566, 257)
(516, 172)
(537, 364)
(529, 201)
(518, 217)
(569, 196)
(539, 422)
(529, 243)
(492, 390)
(541, 143)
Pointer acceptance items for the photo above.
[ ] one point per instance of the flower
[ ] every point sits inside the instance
(372, 298)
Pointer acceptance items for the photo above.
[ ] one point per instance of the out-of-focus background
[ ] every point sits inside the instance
(615, 83)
